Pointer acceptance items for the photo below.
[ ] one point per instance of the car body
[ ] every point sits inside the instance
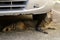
(17, 7)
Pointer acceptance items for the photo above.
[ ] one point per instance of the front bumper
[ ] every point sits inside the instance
(18, 12)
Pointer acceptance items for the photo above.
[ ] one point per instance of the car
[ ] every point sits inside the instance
(28, 9)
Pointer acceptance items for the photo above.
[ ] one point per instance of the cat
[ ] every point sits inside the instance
(20, 26)
(43, 21)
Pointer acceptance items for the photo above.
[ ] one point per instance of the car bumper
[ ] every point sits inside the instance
(18, 12)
